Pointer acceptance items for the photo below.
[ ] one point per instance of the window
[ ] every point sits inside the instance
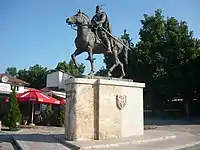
(12, 87)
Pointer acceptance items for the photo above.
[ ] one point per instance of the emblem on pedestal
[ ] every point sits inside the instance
(121, 101)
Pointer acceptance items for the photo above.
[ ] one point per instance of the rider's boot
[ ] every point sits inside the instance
(108, 44)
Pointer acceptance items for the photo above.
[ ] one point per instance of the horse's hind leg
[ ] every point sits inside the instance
(122, 69)
(116, 63)
(73, 56)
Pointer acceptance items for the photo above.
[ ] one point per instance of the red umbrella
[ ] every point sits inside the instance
(62, 101)
(35, 96)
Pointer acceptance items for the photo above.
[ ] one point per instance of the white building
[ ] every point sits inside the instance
(57, 79)
(55, 85)
(8, 83)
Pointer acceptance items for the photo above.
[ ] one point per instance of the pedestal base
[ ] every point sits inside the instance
(103, 109)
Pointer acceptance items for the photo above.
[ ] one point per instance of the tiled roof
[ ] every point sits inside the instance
(14, 80)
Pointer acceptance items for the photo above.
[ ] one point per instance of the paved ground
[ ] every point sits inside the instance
(4, 145)
(38, 142)
(178, 133)
(38, 130)
(36, 138)
(152, 139)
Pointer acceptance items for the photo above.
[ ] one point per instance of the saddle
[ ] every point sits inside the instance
(98, 40)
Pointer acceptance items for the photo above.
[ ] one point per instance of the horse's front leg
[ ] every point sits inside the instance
(91, 59)
(73, 56)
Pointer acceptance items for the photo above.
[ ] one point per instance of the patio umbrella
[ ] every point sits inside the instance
(35, 96)
(62, 101)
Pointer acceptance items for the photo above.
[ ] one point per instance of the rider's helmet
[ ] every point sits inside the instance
(98, 8)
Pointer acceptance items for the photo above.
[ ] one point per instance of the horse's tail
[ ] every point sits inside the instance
(125, 51)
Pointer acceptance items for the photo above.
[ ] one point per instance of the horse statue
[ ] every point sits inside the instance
(87, 41)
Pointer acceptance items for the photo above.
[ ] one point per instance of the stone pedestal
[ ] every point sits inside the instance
(103, 109)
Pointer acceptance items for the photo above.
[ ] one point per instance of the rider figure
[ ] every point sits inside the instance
(100, 19)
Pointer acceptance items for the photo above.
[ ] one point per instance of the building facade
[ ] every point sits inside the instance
(9, 83)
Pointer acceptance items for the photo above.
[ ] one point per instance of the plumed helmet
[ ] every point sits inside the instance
(99, 7)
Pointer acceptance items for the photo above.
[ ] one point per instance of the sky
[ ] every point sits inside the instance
(35, 32)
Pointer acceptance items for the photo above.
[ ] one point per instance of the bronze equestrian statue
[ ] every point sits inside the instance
(95, 37)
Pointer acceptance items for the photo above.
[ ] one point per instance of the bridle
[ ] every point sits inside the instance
(74, 25)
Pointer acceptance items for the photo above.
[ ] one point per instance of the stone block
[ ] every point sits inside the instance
(103, 109)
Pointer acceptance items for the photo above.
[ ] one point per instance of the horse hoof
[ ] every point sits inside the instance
(109, 74)
(121, 77)
(91, 74)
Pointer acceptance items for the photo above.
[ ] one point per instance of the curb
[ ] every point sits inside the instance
(182, 146)
(16, 143)
(126, 143)
(67, 144)
(12, 140)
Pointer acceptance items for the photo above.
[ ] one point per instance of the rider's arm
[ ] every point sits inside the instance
(93, 19)
(102, 19)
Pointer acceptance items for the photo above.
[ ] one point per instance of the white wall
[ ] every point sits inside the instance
(6, 88)
(52, 79)
(57, 79)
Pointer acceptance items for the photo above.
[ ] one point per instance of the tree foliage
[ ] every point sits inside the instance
(101, 72)
(14, 115)
(12, 71)
(36, 74)
(70, 68)
(164, 44)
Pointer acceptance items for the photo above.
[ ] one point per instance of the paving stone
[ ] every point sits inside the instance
(38, 142)
(6, 145)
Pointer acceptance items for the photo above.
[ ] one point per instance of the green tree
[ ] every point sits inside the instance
(48, 114)
(164, 45)
(101, 72)
(14, 115)
(12, 71)
(35, 75)
(70, 68)
(61, 115)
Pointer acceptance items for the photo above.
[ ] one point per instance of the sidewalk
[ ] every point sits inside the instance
(152, 139)
(163, 137)
(38, 142)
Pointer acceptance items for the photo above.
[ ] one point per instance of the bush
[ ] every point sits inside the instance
(61, 115)
(48, 115)
(14, 116)
(58, 117)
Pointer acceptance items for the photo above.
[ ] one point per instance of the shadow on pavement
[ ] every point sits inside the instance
(48, 138)
(163, 122)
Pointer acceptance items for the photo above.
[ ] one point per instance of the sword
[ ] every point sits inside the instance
(115, 38)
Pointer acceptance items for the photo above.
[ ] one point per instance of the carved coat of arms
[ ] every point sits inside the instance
(121, 101)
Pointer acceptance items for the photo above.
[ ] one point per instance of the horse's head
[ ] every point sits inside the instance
(78, 19)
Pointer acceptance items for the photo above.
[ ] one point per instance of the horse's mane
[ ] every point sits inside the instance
(86, 16)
